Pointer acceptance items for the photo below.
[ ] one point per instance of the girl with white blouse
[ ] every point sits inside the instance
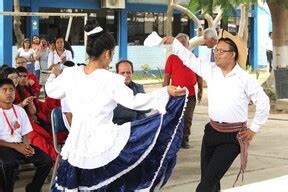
(28, 53)
(98, 154)
(59, 55)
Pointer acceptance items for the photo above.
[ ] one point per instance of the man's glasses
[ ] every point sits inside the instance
(221, 51)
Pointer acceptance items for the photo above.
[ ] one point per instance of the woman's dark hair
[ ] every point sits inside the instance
(69, 64)
(232, 46)
(8, 71)
(97, 43)
(25, 40)
(67, 46)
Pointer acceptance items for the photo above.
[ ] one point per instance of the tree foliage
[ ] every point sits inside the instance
(227, 6)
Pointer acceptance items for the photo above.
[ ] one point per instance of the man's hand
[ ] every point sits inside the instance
(168, 40)
(175, 91)
(247, 135)
(24, 149)
(29, 149)
(27, 101)
(31, 82)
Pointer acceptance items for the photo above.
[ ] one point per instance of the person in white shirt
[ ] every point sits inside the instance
(101, 150)
(210, 40)
(59, 55)
(269, 51)
(28, 53)
(230, 89)
(15, 147)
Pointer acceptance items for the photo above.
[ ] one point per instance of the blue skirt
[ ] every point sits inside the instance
(146, 161)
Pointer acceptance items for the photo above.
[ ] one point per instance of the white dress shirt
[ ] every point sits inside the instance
(269, 44)
(228, 96)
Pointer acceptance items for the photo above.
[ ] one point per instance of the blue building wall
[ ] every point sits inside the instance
(5, 34)
(138, 54)
(261, 26)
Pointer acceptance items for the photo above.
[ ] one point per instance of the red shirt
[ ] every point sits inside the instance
(180, 74)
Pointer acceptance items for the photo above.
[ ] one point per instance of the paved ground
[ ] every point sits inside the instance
(268, 154)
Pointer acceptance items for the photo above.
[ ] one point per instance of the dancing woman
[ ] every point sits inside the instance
(99, 155)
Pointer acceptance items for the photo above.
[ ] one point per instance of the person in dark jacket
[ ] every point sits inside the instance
(123, 114)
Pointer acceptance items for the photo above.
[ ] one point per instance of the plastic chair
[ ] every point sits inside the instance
(58, 126)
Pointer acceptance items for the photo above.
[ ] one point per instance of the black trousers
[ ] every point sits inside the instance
(218, 152)
(11, 161)
(269, 55)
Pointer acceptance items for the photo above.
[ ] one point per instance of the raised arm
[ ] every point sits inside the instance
(188, 58)
(55, 86)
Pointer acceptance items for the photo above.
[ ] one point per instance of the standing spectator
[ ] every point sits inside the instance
(15, 147)
(210, 40)
(36, 46)
(42, 56)
(121, 113)
(178, 74)
(269, 51)
(59, 55)
(35, 42)
(28, 53)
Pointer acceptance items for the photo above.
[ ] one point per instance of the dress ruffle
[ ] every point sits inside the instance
(145, 163)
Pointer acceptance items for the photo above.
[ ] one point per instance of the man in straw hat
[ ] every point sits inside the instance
(231, 89)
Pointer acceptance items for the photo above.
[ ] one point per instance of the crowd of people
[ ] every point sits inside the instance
(110, 139)
(29, 76)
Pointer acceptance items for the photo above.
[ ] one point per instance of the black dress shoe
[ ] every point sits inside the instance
(185, 145)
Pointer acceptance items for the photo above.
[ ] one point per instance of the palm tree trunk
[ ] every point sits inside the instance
(243, 24)
(169, 18)
(280, 36)
(280, 42)
(17, 23)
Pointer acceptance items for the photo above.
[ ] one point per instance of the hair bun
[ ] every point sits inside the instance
(90, 25)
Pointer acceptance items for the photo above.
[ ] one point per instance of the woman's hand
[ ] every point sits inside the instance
(176, 91)
(56, 70)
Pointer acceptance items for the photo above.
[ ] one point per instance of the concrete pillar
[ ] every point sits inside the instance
(33, 22)
(192, 34)
(6, 34)
(122, 34)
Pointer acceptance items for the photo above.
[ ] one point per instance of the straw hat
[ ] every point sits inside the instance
(241, 46)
